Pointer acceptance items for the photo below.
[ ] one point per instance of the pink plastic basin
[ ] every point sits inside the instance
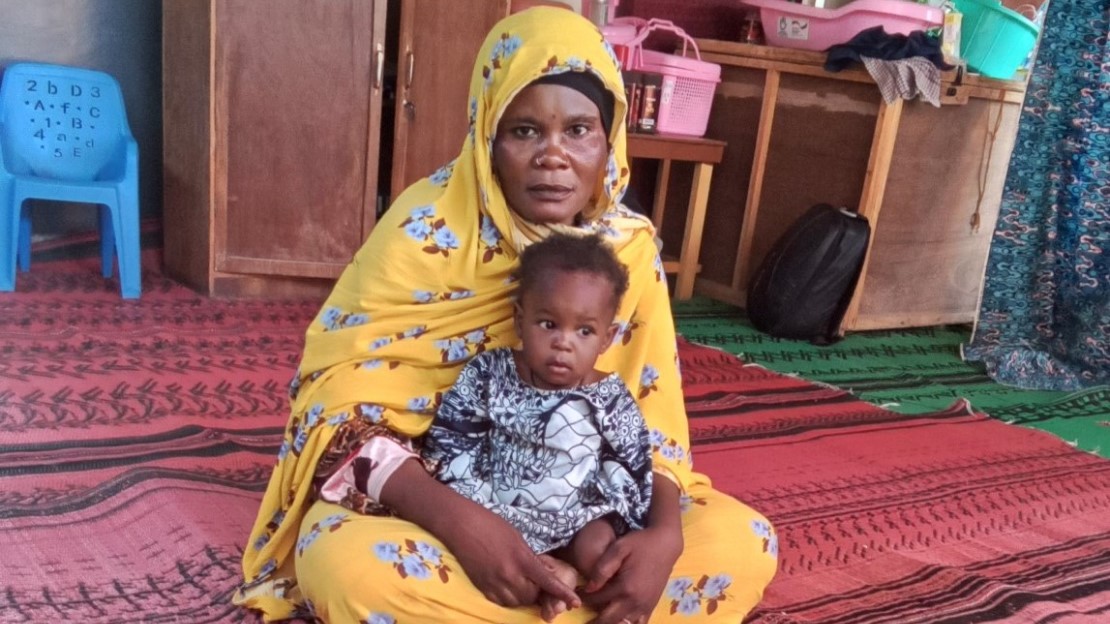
(790, 25)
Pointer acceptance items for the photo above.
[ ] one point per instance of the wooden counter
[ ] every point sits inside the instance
(928, 179)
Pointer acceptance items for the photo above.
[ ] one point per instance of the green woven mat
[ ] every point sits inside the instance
(908, 371)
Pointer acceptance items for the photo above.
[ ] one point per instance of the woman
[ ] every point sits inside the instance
(352, 528)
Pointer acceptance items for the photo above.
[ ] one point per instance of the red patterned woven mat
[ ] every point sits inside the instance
(136, 438)
(945, 517)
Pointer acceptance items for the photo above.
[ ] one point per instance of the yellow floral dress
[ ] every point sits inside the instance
(431, 288)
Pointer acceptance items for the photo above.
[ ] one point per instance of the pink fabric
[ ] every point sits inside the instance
(385, 457)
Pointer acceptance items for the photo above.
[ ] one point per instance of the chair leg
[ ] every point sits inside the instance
(9, 238)
(24, 240)
(107, 240)
(127, 240)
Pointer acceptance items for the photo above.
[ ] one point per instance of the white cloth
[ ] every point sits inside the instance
(905, 78)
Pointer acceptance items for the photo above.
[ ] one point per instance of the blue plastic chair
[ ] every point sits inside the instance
(64, 136)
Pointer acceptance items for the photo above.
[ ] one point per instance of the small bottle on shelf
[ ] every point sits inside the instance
(751, 29)
(599, 13)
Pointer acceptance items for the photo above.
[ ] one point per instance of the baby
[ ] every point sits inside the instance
(538, 435)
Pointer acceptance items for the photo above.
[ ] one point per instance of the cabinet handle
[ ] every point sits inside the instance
(411, 62)
(379, 65)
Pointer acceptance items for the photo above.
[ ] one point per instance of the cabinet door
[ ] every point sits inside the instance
(438, 44)
(297, 105)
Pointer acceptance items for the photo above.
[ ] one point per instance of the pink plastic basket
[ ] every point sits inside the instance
(686, 96)
(791, 25)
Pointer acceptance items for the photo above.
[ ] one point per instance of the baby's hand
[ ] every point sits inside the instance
(591, 542)
(550, 606)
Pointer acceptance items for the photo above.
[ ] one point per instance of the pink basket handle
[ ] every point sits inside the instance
(637, 22)
(654, 24)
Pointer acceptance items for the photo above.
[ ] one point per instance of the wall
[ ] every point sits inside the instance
(709, 19)
(120, 37)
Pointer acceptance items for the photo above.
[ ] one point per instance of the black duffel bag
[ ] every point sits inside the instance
(804, 284)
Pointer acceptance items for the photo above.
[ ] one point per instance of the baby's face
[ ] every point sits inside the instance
(564, 326)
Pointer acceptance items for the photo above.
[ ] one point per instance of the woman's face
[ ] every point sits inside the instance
(549, 153)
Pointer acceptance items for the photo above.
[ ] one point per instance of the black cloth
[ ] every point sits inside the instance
(877, 43)
(590, 86)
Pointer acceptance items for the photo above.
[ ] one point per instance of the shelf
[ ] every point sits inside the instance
(809, 63)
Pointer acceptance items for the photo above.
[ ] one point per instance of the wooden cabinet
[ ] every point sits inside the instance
(439, 40)
(928, 179)
(272, 115)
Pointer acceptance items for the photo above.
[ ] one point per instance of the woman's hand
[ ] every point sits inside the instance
(491, 551)
(500, 564)
(628, 579)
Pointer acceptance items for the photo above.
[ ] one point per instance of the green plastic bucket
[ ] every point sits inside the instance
(993, 39)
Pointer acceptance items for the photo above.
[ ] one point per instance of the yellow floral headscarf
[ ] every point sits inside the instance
(432, 287)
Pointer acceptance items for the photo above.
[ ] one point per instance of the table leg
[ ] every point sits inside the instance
(874, 187)
(743, 268)
(661, 182)
(691, 238)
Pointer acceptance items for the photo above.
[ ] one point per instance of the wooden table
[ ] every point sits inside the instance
(704, 153)
(929, 180)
